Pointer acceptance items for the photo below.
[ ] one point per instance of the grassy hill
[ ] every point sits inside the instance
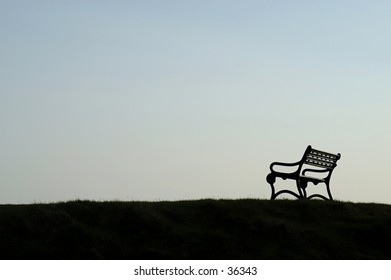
(203, 229)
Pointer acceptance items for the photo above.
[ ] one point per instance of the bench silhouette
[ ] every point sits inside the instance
(323, 162)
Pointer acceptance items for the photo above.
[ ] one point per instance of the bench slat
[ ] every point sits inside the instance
(321, 159)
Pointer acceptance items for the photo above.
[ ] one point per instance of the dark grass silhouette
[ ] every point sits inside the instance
(203, 229)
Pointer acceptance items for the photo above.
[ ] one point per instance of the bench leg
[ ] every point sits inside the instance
(271, 179)
(322, 196)
(301, 188)
(328, 191)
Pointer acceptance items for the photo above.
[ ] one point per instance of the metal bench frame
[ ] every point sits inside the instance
(324, 163)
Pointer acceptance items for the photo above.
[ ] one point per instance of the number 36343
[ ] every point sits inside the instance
(242, 271)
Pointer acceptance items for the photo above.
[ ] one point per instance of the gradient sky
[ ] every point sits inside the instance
(167, 100)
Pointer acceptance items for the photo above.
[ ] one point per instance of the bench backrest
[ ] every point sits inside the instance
(320, 159)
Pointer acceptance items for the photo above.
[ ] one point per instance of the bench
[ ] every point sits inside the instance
(323, 162)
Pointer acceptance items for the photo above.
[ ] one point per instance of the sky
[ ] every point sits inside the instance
(176, 100)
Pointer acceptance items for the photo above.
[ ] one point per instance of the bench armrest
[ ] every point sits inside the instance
(314, 170)
(284, 164)
(317, 171)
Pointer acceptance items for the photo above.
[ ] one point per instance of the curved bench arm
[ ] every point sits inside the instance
(314, 170)
(320, 176)
(283, 164)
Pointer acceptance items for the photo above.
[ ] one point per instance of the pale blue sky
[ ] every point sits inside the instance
(167, 100)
